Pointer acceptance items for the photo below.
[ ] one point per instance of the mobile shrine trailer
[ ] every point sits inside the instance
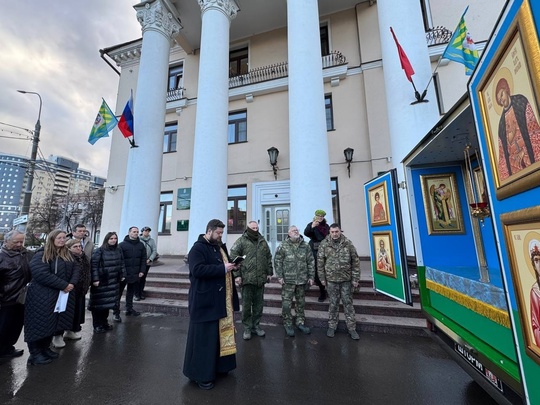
(473, 187)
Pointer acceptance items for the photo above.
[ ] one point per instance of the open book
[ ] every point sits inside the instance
(238, 259)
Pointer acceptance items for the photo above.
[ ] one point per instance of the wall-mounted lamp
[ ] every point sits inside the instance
(348, 158)
(273, 154)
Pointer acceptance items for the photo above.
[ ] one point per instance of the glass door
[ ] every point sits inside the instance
(276, 224)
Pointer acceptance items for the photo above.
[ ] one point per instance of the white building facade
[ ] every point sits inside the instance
(218, 83)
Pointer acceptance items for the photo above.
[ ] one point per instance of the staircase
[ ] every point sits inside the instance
(167, 289)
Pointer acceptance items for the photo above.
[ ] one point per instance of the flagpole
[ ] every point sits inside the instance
(445, 49)
(434, 71)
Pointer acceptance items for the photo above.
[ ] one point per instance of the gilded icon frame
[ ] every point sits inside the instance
(375, 207)
(384, 263)
(518, 62)
(443, 211)
(521, 232)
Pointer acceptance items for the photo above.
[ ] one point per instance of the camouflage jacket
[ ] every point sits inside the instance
(294, 262)
(338, 261)
(257, 265)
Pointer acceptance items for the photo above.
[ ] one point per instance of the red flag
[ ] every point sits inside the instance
(405, 64)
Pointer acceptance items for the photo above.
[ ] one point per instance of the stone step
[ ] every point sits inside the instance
(166, 285)
(183, 274)
(272, 299)
(167, 292)
(316, 319)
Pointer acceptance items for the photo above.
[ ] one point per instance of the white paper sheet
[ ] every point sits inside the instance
(61, 302)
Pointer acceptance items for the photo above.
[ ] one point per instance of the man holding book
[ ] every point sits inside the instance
(254, 272)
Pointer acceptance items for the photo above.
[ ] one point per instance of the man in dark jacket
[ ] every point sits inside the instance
(210, 346)
(135, 264)
(255, 271)
(87, 245)
(14, 275)
(316, 231)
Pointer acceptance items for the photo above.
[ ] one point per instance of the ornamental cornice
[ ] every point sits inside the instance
(228, 7)
(157, 17)
(126, 55)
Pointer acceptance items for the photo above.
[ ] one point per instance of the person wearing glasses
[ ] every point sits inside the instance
(87, 246)
(81, 288)
(295, 269)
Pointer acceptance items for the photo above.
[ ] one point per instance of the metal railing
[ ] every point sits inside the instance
(175, 94)
(438, 35)
(279, 70)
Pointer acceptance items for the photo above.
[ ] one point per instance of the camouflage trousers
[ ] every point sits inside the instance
(288, 292)
(336, 292)
(252, 306)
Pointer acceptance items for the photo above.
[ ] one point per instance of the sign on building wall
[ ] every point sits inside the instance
(182, 225)
(183, 199)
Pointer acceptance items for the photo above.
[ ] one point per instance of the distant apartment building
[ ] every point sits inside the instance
(56, 176)
(12, 185)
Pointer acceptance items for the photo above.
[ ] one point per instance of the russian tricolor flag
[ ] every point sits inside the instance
(126, 120)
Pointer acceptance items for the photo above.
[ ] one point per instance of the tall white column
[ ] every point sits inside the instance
(408, 124)
(143, 177)
(308, 143)
(209, 184)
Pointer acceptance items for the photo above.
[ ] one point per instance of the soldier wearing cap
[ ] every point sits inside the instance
(316, 231)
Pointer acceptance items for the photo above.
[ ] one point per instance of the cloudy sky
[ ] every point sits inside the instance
(52, 48)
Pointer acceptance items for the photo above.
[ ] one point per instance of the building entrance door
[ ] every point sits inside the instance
(276, 225)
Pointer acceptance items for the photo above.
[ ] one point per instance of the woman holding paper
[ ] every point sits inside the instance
(49, 304)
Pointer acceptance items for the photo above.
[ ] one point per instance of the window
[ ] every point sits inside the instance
(165, 213)
(426, 14)
(335, 200)
(176, 74)
(237, 209)
(237, 127)
(329, 112)
(325, 43)
(238, 62)
(169, 140)
(437, 85)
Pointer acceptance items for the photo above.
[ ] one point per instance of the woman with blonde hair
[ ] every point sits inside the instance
(54, 271)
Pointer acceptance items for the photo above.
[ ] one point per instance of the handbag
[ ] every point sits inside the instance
(21, 298)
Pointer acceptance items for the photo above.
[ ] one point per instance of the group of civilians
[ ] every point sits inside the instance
(47, 293)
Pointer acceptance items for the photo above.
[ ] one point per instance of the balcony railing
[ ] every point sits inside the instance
(438, 35)
(279, 70)
(175, 94)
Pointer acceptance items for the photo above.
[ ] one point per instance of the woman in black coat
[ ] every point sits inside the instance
(107, 270)
(53, 271)
(81, 288)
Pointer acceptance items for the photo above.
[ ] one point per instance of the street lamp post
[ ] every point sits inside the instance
(32, 162)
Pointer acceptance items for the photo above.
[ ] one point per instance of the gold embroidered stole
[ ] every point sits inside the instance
(227, 344)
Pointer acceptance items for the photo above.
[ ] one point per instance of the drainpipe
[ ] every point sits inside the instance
(102, 53)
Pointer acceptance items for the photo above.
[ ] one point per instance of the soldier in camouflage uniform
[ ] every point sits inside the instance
(295, 267)
(339, 270)
(254, 272)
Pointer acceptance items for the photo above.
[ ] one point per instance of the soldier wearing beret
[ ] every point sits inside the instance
(316, 231)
